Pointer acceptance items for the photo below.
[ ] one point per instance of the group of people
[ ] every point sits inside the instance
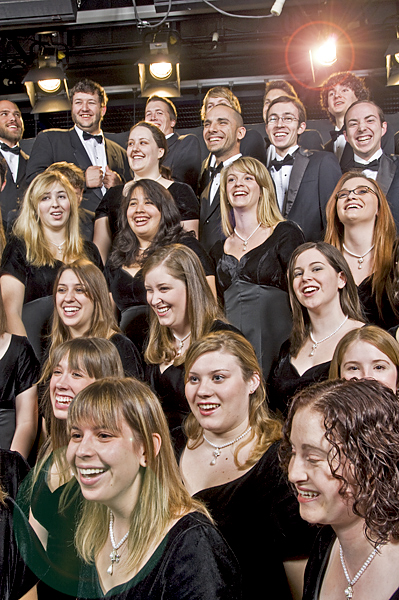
(183, 376)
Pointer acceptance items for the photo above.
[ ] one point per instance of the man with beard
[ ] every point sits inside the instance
(11, 132)
(104, 162)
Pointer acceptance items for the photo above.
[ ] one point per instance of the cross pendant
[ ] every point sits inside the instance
(216, 453)
(115, 557)
(349, 592)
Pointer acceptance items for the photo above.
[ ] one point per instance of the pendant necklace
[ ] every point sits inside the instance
(351, 582)
(360, 257)
(114, 556)
(216, 452)
(181, 342)
(58, 246)
(315, 344)
(248, 238)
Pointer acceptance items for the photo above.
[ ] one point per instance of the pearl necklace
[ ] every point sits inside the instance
(114, 556)
(59, 246)
(181, 342)
(315, 344)
(360, 257)
(216, 452)
(351, 582)
(248, 238)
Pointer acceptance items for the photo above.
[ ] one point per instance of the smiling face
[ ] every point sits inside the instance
(65, 383)
(142, 150)
(222, 132)
(87, 112)
(54, 208)
(143, 216)
(339, 99)
(107, 464)
(217, 393)
(167, 296)
(11, 123)
(359, 207)
(362, 360)
(317, 489)
(242, 189)
(315, 282)
(284, 135)
(74, 307)
(157, 112)
(364, 129)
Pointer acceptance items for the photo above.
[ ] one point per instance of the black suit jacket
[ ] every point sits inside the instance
(313, 177)
(184, 158)
(54, 145)
(12, 195)
(210, 228)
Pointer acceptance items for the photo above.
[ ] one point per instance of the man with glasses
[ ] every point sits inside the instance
(364, 128)
(304, 179)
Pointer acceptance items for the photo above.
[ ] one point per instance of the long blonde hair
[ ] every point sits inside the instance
(163, 496)
(268, 212)
(28, 225)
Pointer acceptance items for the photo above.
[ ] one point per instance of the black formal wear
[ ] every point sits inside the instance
(130, 356)
(130, 297)
(285, 381)
(368, 303)
(15, 577)
(258, 516)
(184, 158)
(210, 226)
(183, 195)
(12, 195)
(255, 290)
(169, 385)
(193, 562)
(313, 178)
(38, 281)
(317, 564)
(54, 145)
(19, 371)
(310, 139)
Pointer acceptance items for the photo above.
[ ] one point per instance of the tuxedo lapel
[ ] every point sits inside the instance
(298, 170)
(81, 156)
(206, 208)
(23, 159)
(172, 140)
(386, 173)
(110, 152)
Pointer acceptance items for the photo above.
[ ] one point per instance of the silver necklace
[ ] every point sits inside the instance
(181, 342)
(315, 344)
(248, 238)
(114, 556)
(360, 257)
(351, 582)
(59, 246)
(216, 452)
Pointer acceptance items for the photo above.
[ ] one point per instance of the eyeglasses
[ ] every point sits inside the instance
(359, 191)
(286, 119)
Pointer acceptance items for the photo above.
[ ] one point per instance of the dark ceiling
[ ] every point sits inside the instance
(109, 36)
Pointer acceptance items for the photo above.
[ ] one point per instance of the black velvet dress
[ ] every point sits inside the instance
(258, 516)
(370, 309)
(19, 371)
(255, 290)
(130, 356)
(193, 562)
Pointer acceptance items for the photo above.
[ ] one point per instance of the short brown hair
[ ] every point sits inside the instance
(292, 100)
(88, 86)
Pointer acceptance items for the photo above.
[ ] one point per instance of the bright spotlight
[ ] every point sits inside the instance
(161, 70)
(49, 85)
(327, 53)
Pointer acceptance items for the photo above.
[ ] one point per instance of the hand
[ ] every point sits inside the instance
(94, 177)
(111, 178)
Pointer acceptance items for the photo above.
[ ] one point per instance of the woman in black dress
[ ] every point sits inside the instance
(82, 308)
(149, 219)
(252, 263)
(46, 235)
(360, 224)
(183, 310)
(146, 149)
(140, 533)
(341, 450)
(325, 306)
(230, 462)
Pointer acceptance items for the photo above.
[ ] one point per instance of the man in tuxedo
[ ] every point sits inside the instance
(304, 179)
(364, 128)
(184, 151)
(104, 162)
(11, 132)
(223, 132)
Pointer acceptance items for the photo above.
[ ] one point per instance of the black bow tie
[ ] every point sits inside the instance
(14, 150)
(88, 136)
(372, 166)
(277, 164)
(336, 133)
(215, 170)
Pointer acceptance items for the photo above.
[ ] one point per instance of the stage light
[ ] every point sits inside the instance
(327, 53)
(161, 70)
(47, 89)
(392, 60)
(50, 86)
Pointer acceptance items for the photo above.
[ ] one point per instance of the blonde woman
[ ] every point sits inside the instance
(252, 263)
(46, 235)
